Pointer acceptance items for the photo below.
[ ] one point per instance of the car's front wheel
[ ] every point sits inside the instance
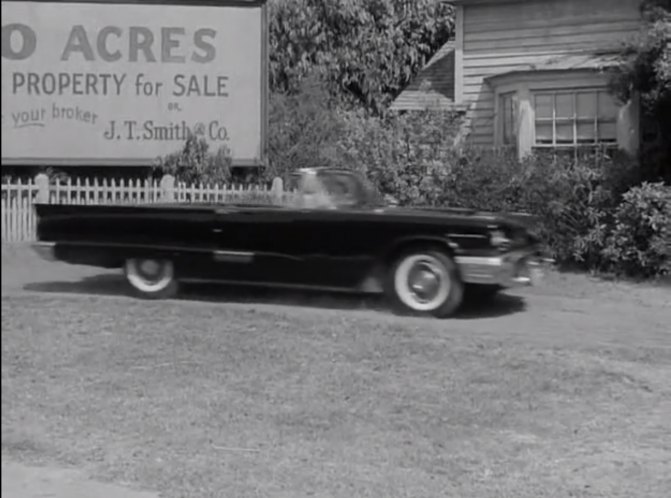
(426, 282)
(151, 278)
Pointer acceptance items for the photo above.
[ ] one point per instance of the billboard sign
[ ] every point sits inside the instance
(118, 83)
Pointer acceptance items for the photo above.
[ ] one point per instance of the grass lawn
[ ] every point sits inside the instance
(197, 399)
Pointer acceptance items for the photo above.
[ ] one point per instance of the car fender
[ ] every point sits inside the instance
(404, 243)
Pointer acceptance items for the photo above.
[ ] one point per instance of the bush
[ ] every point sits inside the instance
(574, 200)
(401, 153)
(28, 174)
(57, 176)
(194, 163)
(640, 241)
(571, 200)
(645, 69)
(304, 130)
(415, 158)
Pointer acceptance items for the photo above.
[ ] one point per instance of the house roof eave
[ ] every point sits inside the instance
(445, 107)
(578, 62)
(476, 2)
(497, 78)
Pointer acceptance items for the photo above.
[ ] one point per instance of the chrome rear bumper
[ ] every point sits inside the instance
(46, 250)
(514, 269)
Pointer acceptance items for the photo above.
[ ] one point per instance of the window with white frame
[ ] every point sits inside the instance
(507, 118)
(575, 118)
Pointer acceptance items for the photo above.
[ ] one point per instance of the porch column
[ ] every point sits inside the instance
(525, 123)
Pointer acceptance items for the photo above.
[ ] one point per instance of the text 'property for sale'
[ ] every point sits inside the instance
(20, 42)
(105, 84)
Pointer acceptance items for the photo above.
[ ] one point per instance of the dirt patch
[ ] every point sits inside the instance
(21, 481)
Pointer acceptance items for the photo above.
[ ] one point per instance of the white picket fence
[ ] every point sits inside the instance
(18, 215)
(18, 197)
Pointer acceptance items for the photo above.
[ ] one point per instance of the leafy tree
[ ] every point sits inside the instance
(646, 70)
(305, 129)
(400, 152)
(195, 163)
(366, 50)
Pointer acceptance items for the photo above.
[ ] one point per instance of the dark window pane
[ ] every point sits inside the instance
(586, 132)
(564, 105)
(586, 102)
(543, 106)
(608, 108)
(607, 132)
(507, 104)
(564, 133)
(509, 135)
(508, 119)
(544, 133)
(509, 130)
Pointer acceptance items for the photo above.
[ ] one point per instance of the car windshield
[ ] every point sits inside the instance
(372, 194)
(293, 182)
(333, 189)
(342, 189)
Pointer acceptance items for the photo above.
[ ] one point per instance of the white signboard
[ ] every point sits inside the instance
(123, 83)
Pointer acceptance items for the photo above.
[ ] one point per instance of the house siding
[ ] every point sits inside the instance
(497, 38)
(433, 88)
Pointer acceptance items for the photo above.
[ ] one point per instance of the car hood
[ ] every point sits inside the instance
(466, 214)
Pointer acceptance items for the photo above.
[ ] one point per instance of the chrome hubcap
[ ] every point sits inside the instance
(150, 269)
(424, 282)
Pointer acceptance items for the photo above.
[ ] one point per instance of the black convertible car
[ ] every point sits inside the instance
(340, 234)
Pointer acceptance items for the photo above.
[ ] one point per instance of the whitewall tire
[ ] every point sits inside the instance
(151, 278)
(425, 282)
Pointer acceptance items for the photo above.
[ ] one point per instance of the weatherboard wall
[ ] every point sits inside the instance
(498, 37)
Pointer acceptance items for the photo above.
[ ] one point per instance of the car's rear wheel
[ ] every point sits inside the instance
(425, 282)
(151, 278)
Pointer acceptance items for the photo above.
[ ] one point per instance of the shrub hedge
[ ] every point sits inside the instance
(592, 210)
(639, 240)
(195, 163)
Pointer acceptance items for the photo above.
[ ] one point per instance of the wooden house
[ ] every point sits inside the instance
(533, 73)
